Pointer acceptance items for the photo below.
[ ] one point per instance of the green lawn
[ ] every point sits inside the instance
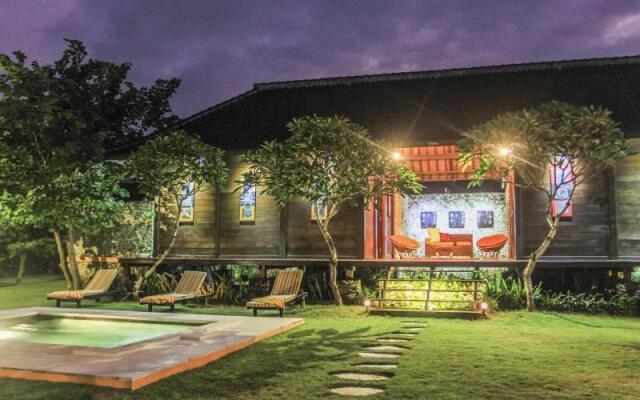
(511, 356)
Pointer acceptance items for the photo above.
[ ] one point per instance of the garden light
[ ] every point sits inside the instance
(484, 306)
(367, 304)
(505, 151)
(397, 155)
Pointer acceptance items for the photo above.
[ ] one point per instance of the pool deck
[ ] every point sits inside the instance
(135, 365)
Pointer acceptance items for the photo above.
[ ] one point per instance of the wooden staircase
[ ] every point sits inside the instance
(442, 293)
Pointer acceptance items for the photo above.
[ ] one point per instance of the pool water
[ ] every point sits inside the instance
(103, 333)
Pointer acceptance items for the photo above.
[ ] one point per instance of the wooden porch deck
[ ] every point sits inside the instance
(545, 262)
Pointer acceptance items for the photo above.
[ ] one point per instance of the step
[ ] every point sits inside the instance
(427, 313)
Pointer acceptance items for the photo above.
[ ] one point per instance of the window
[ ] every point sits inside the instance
(188, 203)
(248, 204)
(561, 182)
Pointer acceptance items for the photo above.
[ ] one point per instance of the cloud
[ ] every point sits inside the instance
(221, 48)
(623, 28)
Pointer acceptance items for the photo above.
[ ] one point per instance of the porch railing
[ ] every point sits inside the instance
(455, 285)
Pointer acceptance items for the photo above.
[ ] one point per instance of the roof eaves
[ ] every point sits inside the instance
(445, 73)
(216, 107)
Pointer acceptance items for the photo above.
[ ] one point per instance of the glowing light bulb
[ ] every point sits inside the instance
(367, 303)
(397, 155)
(505, 151)
(484, 306)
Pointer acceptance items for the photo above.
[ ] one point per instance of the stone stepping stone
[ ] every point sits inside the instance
(393, 340)
(367, 354)
(384, 348)
(403, 335)
(412, 330)
(377, 366)
(356, 376)
(400, 336)
(356, 391)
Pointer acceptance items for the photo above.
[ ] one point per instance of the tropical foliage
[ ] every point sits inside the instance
(58, 123)
(580, 142)
(332, 163)
(164, 165)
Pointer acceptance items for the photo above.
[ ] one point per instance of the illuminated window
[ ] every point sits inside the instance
(248, 204)
(188, 203)
(561, 181)
(321, 206)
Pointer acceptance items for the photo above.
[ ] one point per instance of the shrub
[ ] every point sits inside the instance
(507, 293)
(608, 302)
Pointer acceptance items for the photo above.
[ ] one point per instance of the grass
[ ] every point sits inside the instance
(514, 355)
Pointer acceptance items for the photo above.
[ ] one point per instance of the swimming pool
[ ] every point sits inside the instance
(89, 332)
(121, 349)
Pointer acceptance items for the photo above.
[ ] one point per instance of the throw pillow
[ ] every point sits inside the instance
(434, 234)
(445, 237)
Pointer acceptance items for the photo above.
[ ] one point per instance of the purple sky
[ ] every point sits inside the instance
(220, 48)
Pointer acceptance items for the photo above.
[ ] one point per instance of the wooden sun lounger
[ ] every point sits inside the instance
(285, 291)
(97, 287)
(189, 288)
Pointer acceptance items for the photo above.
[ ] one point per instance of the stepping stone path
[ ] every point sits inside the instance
(409, 331)
(384, 348)
(361, 377)
(378, 366)
(355, 391)
(400, 335)
(392, 340)
(412, 330)
(378, 355)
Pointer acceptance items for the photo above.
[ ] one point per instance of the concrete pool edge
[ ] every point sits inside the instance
(134, 381)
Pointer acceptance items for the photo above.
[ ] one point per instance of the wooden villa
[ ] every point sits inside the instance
(423, 115)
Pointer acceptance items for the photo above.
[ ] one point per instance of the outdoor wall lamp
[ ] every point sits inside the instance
(505, 151)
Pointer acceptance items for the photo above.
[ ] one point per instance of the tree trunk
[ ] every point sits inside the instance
(73, 265)
(333, 261)
(21, 267)
(533, 259)
(165, 253)
(62, 258)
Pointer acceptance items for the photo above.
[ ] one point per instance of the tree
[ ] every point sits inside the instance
(168, 163)
(58, 124)
(332, 163)
(553, 149)
(19, 242)
(69, 206)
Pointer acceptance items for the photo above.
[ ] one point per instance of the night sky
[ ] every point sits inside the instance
(220, 48)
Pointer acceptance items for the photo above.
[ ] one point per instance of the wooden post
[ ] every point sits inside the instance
(612, 246)
(510, 199)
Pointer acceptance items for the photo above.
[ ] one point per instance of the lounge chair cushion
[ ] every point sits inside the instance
(169, 298)
(272, 301)
(72, 294)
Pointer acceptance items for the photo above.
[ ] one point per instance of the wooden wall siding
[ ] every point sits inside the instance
(586, 234)
(259, 239)
(304, 238)
(266, 238)
(197, 237)
(627, 192)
